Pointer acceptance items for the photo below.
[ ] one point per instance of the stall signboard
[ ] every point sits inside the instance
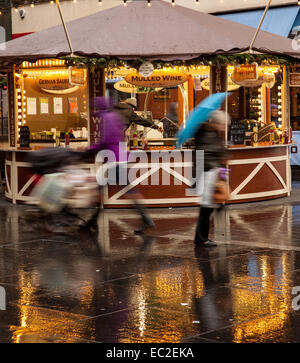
(158, 79)
(56, 84)
(126, 87)
(77, 76)
(294, 79)
(96, 89)
(218, 79)
(245, 72)
(231, 86)
(247, 75)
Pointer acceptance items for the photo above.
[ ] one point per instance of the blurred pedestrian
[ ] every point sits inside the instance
(128, 110)
(170, 121)
(275, 115)
(210, 139)
(112, 130)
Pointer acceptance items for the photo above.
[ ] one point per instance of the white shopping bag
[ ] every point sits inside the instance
(51, 191)
(85, 190)
(206, 187)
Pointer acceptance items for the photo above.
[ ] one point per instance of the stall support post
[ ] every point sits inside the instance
(12, 109)
(182, 104)
(191, 93)
(268, 104)
(285, 106)
(65, 27)
(259, 26)
(264, 113)
(286, 121)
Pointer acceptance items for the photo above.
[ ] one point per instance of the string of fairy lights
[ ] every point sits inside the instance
(148, 3)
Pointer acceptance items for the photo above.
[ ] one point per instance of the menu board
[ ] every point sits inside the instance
(237, 133)
(24, 136)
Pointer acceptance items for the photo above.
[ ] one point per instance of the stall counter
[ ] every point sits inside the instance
(256, 173)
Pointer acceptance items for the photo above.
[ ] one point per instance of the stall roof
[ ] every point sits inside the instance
(158, 32)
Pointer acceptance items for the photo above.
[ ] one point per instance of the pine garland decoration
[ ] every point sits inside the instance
(218, 60)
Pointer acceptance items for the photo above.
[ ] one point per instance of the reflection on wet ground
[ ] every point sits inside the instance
(118, 287)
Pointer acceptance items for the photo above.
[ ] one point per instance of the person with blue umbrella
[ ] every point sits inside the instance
(207, 125)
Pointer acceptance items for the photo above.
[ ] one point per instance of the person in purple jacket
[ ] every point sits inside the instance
(112, 129)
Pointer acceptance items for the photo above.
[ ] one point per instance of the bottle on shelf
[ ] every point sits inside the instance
(286, 137)
(144, 142)
(272, 135)
(135, 140)
(67, 140)
(255, 136)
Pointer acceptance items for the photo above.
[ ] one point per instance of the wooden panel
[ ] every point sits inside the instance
(263, 181)
(24, 175)
(255, 153)
(260, 199)
(22, 157)
(8, 156)
(238, 173)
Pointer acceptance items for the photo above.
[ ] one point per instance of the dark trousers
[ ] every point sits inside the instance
(202, 229)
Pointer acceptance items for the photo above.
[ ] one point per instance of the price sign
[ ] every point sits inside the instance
(237, 133)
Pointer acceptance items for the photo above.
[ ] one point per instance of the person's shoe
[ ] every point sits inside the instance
(207, 243)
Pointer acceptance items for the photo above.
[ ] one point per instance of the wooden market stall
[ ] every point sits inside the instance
(44, 98)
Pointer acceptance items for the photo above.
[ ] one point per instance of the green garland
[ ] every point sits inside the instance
(234, 59)
(3, 82)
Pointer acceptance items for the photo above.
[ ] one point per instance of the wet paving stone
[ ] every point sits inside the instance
(7, 336)
(278, 328)
(19, 320)
(61, 273)
(119, 287)
(88, 300)
(134, 326)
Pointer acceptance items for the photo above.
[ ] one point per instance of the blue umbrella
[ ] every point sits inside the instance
(200, 114)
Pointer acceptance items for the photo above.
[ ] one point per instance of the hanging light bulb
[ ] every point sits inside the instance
(149, 3)
(173, 3)
(74, 1)
(99, 2)
(16, 9)
(197, 2)
(32, 5)
(125, 2)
